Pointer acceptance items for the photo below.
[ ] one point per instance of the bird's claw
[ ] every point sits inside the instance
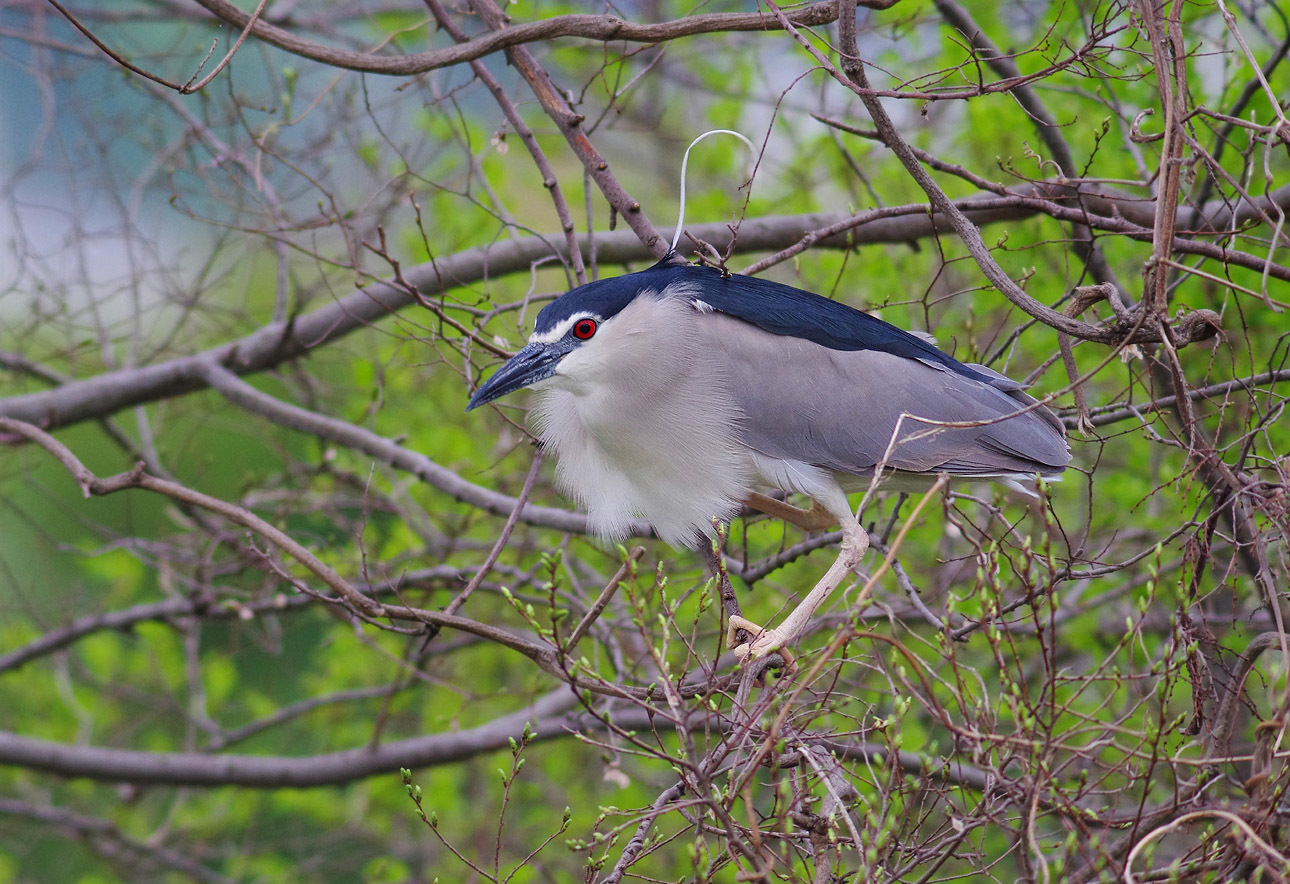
(855, 544)
(764, 642)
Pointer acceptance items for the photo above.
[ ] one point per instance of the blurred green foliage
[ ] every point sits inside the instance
(1089, 673)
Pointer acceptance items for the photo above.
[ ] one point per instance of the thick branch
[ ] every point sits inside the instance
(550, 717)
(590, 27)
(272, 772)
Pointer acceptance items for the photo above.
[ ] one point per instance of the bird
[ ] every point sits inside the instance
(679, 393)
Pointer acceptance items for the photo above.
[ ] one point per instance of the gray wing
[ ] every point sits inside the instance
(842, 409)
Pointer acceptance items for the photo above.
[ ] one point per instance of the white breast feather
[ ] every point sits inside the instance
(663, 445)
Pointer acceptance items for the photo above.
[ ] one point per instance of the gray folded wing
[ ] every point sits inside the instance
(850, 410)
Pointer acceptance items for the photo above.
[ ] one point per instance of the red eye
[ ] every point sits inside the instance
(584, 328)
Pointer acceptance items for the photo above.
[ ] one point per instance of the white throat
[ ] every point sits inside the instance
(663, 445)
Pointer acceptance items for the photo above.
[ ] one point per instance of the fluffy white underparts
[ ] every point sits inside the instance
(627, 455)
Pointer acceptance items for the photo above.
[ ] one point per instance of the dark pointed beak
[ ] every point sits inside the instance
(534, 363)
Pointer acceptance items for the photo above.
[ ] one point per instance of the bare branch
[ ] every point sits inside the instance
(601, 28)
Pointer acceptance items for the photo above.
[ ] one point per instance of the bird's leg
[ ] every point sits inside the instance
(855, 542)
(817, 518)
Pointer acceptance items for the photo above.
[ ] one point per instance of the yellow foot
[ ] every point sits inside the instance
(765, 641)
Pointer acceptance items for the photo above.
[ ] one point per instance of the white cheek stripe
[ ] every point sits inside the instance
(560, 329)
(675, 290)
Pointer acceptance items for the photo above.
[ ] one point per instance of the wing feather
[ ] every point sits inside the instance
(848, 410)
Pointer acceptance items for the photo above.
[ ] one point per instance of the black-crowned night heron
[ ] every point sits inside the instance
(673, 393)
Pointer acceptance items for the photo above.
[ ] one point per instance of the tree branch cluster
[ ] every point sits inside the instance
(1077, 677)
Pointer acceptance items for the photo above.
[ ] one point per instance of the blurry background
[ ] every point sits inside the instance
(278, 292)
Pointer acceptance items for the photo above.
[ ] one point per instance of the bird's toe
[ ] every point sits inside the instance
(763, 643)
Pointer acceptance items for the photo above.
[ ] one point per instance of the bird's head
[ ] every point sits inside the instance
(573, 327)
